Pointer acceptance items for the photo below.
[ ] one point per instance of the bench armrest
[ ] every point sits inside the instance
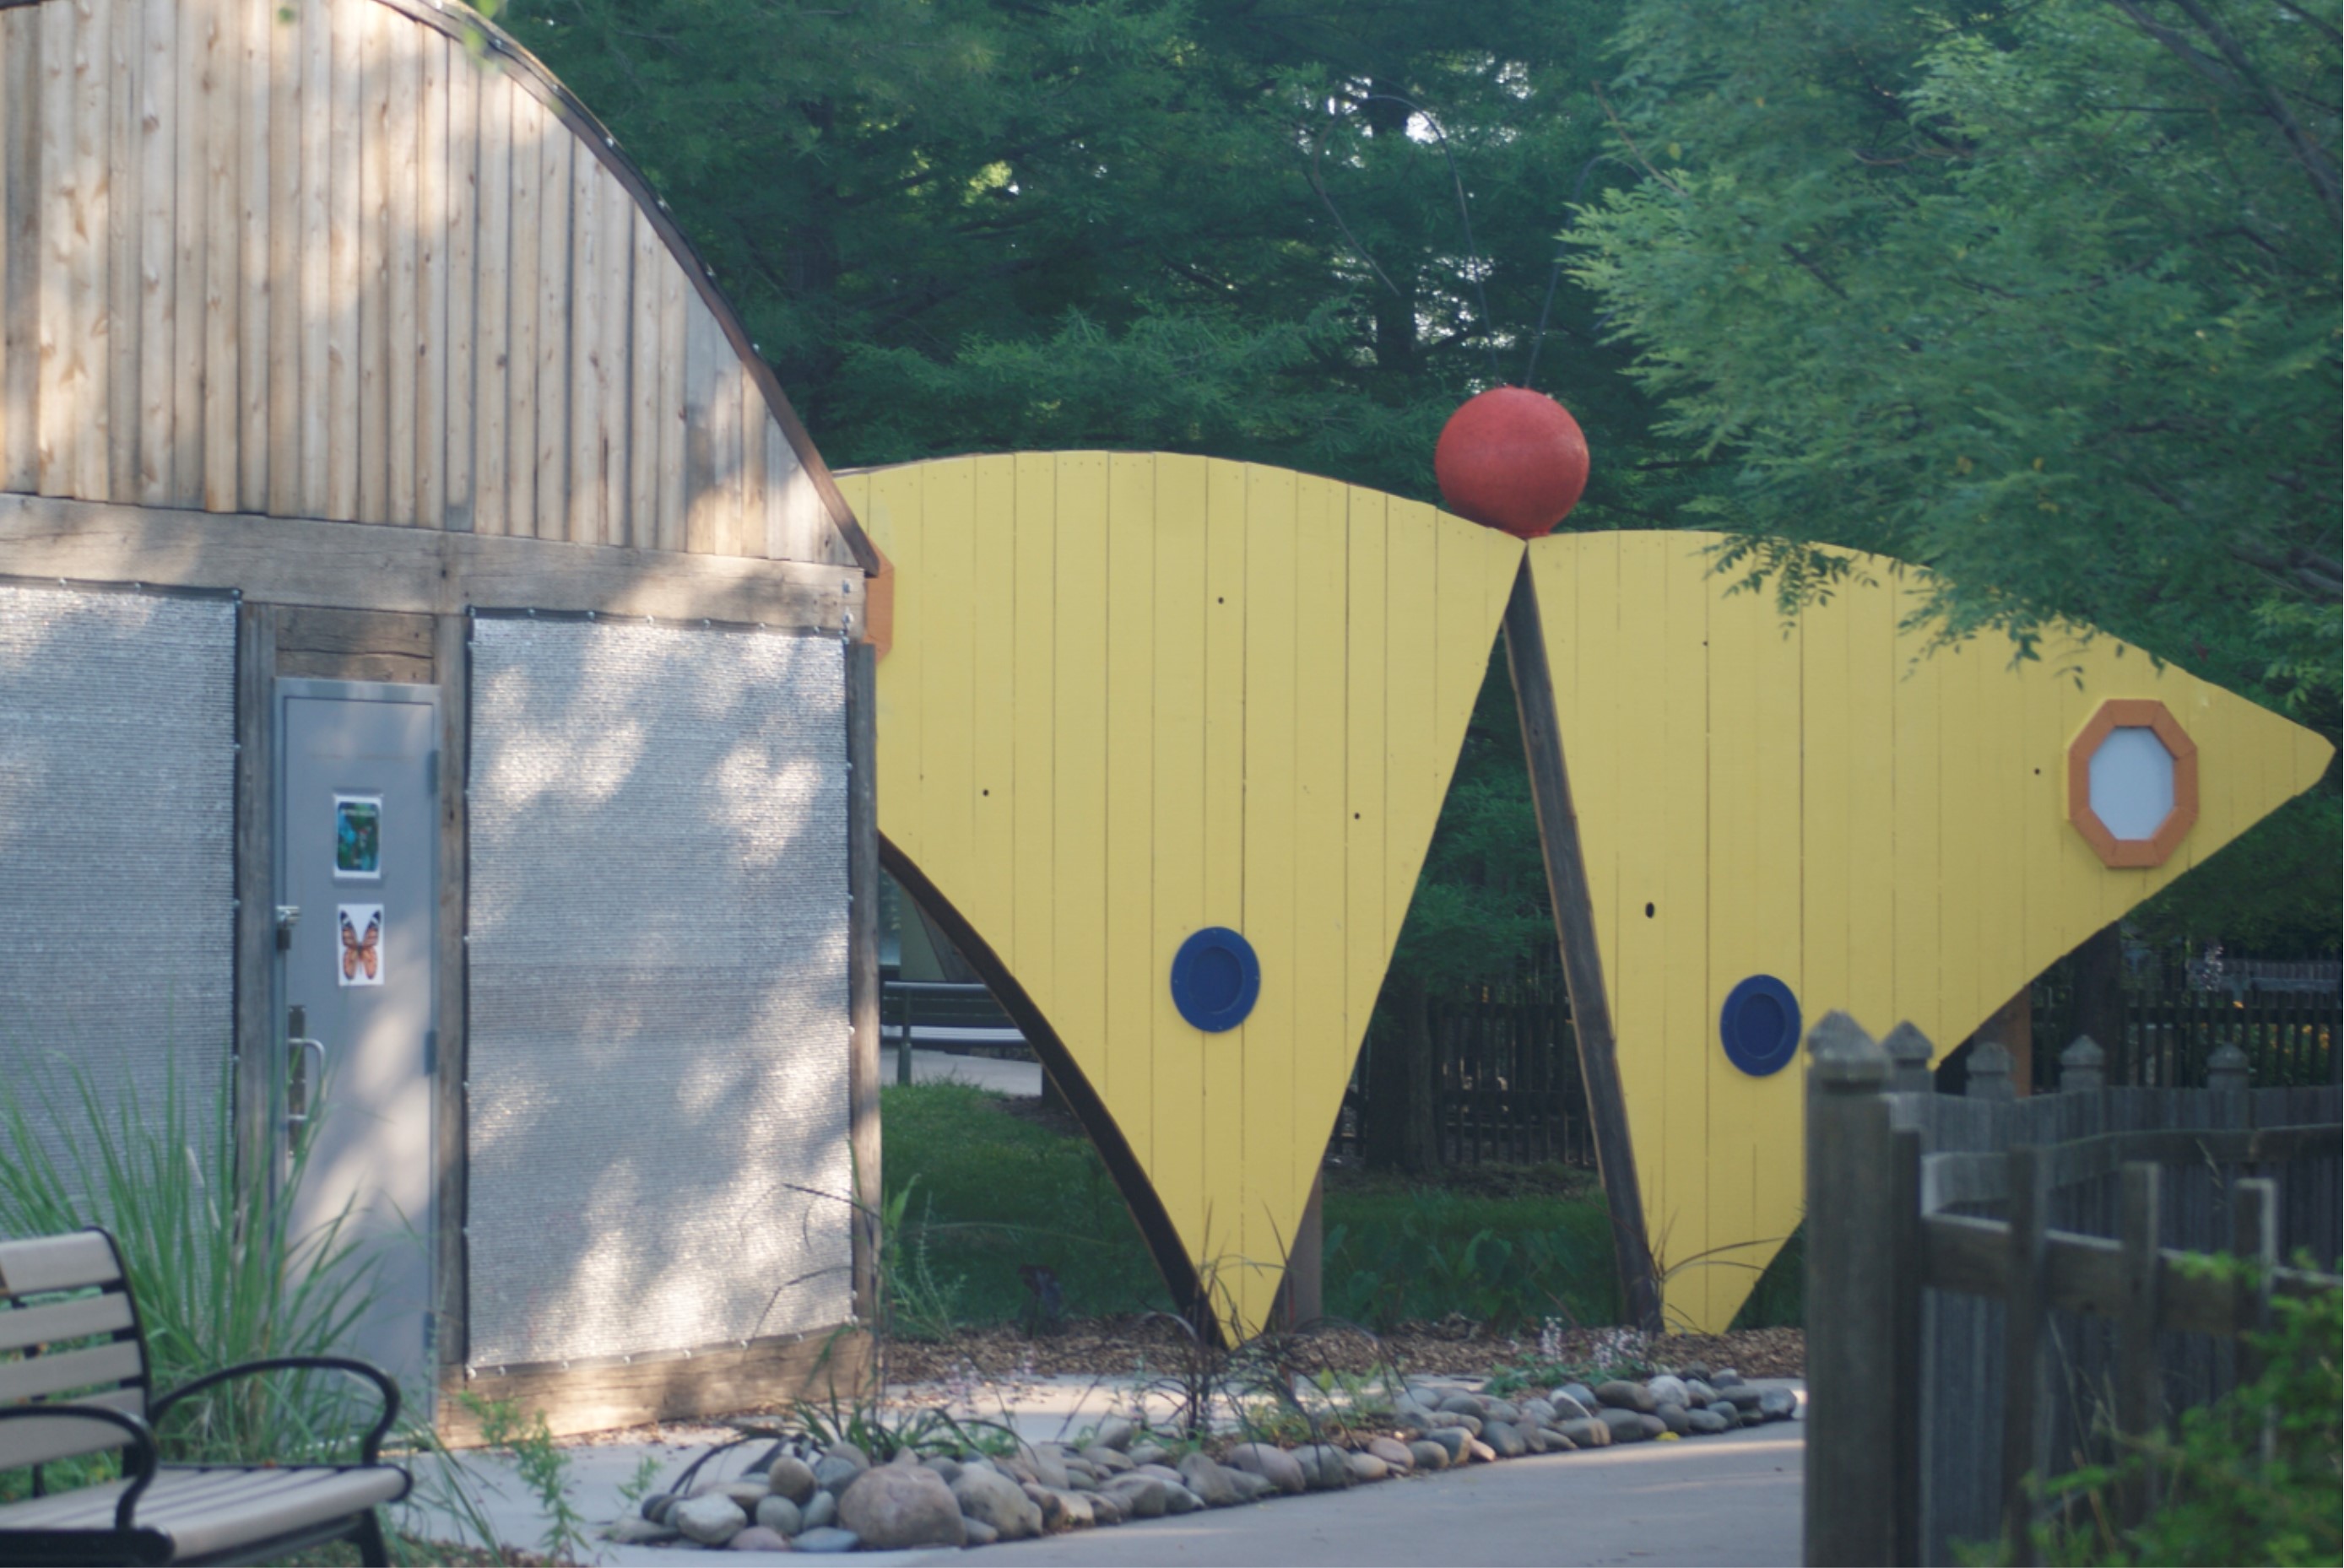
(370, 1450)
(141, 1445)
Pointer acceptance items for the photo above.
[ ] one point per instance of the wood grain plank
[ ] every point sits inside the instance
(402, 265)
(319, 327)
(87, 372)
(1078, 846)
(615, 436)
(222, 254)
(1324, 1046)
(525, 246)
(124, 61)
(993, 708)
(287, 119)
(159, 296)
(1367, 955)
(492, 299)
(705, 356)
(1177, 743)
(644, 426)
(726, 443)
(60, 27)
(1125, 1071)
(1222, 1056)
(674, 332)
(588, 313)
(556, 150)
(256, 21)
(756, 528)
(437, 202)
(948, 677)
(375, 150)
(1688, 1021)
(345, 185)
(188, 254)
(1261, 1236)
(451, 655)
(459, 368)
(20, 210)
(1033, 666)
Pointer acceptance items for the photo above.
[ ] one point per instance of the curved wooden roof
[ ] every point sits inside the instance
(367, 261)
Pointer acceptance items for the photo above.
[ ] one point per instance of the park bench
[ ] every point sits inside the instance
(74, 1380)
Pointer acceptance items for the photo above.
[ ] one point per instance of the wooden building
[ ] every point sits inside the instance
(398, 525)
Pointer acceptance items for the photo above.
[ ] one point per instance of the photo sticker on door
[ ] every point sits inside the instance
(358, 838)
(361, 944)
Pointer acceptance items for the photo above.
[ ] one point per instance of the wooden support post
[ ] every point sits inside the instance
(1305, 1299)
(2254, 1234)
(254, 1088)
(2025, 1306)
(451, 665)
(1582, 964)
(1909, 1051)
(862, 969)
(1852, 1308)
(2140, 1379)
(1909, 1267)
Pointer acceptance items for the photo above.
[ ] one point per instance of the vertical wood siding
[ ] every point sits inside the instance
(326, 261)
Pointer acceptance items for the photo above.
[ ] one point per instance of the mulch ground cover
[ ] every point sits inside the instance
(1113, 1346)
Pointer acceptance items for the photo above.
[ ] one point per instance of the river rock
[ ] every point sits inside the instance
(1586, 1432)
(1566, 1408)
(1368, 1467)
(1150, 1453)
(780, 1514)
(1271, 1462)
(1627, 1425)
(1667, 1389)
(1117, 1433)
(1558, 1444)
(1429, 1455)
(1049, 1463)
(1578, 1392)
(1724, 1377)
(1000, 1502)
(1674, 1417)
(899, 1505)
(1479, 1453)
(948, 1468)
(1108, 1461)
(1739, 1393)
(757, 1538)
(1061, 1510)
(1707, 1421)
(1654, 1426)
(1619, 1394)
(1324, 1468)
(1392, 1451)
(1541, 1412)
(634, 1530)
(1163, 1472)
(1501, 1410)
(1778, 1404)
(1142, 1496)
(1534, 1438)
(712, 1520)
(826, 1538)
(821, 1514)
(655, 1507)
(1455, 1439)
(1503, 1441)
(835, 1471)
(792, 1477)
(1105, 1508)
(1466, 1419)
(1703, 1394)
(1210, 1481)
(748, 1493)
(1470, 1403)
(980, 1533)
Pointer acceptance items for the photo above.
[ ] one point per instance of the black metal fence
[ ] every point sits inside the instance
(2288, 1036)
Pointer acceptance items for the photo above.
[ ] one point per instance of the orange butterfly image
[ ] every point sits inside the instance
(357, 951)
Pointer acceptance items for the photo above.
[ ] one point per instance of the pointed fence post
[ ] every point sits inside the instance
(1990, 1072)
(1852, 1250)
(2226, 1070)
(1909, 1050)
(2083, 1067)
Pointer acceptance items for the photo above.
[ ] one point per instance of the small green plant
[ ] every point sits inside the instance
(921, 1304)
(638, 1485)
(542, 1467)
(2251, 1478)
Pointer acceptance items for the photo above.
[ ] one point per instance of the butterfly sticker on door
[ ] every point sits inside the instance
(362, 929)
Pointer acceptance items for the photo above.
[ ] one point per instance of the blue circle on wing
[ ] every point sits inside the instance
(1760, 1026)
(1216, 978)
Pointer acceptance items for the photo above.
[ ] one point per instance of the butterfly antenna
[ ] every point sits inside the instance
(1554, 274)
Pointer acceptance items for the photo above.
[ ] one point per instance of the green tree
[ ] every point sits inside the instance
(2043, 296)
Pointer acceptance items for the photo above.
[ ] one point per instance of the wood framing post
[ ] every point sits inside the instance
(451, 660)
(2026, 1309)
(256, 1025)
(1305, 1298)
(863, 967)
(1854, 1453)
(1582, 964)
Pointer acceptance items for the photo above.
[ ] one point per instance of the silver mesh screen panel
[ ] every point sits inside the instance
(657, 981)
(117, 831)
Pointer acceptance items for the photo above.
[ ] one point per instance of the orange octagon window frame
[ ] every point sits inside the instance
(2133, 713)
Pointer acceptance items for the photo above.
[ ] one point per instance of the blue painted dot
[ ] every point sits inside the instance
(1216, 978)
(1759, 1025)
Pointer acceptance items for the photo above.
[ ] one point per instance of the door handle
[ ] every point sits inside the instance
(297, 1040)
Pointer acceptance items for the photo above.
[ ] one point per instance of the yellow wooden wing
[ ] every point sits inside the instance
(1131, 696)
(1884, 832)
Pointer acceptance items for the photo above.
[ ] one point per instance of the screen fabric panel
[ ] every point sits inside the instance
(657, 960)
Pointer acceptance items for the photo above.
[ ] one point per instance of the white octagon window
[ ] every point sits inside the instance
(2132, 782)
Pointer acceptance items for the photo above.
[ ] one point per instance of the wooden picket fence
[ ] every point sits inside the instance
(2171, 1033)
(1993, 1287)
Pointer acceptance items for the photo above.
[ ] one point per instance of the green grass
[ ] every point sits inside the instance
(989, 1190)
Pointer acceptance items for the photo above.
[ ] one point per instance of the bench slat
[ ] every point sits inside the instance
(23, 1442)
(100, 1365)
(207, 1510)
(72, 1319)
(56, 1264)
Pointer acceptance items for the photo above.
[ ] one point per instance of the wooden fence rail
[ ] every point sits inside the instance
(1953, 1355)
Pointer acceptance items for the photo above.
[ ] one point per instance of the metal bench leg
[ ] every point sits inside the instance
(373, 1551)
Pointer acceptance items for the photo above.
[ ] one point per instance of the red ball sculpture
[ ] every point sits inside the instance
(1513, 459)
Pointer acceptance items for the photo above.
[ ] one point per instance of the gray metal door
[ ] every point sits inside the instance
(357, 863)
